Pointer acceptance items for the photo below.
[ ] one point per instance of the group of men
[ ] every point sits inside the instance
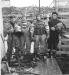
(44, 34)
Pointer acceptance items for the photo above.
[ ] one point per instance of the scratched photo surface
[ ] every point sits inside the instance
(34, 37)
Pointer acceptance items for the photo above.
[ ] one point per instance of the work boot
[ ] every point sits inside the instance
(49, 53)
(54, 53)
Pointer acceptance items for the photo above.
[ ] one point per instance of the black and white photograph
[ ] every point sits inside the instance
(34, 37)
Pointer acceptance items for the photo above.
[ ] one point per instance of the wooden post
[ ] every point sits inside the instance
(39, 6)
(2, 50)
(56, 5)
(3, 3)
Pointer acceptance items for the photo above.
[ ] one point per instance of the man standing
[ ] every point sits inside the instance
(26, 35)
(10, 39)
(54, 32)
(41, 33)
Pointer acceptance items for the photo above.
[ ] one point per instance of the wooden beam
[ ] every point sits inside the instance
(62, 52)
(39, 6)
(1, 33)
(64, 46)
(64, 39)
(53, 67)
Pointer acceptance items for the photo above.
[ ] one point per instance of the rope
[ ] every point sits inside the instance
(2, 37)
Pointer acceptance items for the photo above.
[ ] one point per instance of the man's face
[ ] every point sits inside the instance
(24, 18)
(11, 19)
(54, 16)
(38, 17)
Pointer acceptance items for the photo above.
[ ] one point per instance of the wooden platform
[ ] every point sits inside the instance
(64, 46)
(50, 67)
(62, 52)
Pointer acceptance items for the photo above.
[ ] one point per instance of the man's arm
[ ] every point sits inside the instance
(32, 29)
(50, 26)
(64, 26)
(47, 29)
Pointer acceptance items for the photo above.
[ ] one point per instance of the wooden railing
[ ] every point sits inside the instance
(64, 46)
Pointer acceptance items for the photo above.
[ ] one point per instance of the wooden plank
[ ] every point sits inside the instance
(64, 46)
(64, 39)
(63, 52)
(67, 36)
(50, 67)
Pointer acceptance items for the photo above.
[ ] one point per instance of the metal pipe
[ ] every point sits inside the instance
(56, 5)
(2, 53)
(39, 6)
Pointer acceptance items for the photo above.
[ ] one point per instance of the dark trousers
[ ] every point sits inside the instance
(53, 40)
(14, 41)
(10, 46)
(52, 44)
(22, 42)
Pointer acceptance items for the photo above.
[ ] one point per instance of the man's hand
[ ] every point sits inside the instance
(12, 30)
(47, 36)
(53, 28)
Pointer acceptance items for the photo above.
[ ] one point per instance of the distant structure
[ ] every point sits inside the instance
(62, 3)
(5, 3)
(62, 7)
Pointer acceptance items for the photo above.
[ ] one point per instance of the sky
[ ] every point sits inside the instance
(25, 3)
